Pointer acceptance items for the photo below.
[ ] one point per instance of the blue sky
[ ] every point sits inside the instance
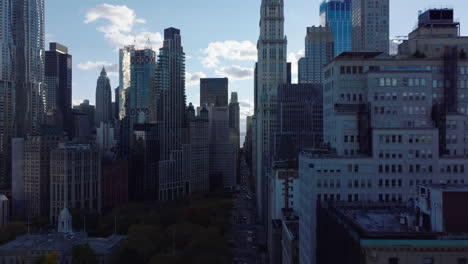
(219, 36)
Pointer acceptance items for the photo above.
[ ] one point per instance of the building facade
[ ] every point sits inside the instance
(234, 129)
(337, 14)
(75, 179)
(318, 53)
(125, 78)
(371, 25)
(391, 124)
(174, 167)
(103, 99)
(37, 151)
(271, 71)
(58, 78)
(214, 91)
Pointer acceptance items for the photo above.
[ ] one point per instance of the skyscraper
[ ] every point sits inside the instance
(21, 75)
(371, 25)
(116, 103)
(271, 72)
(58, 78)
(140, 96)
(234, 127)
(124, 77)
(103, 99)
(28, 31)
(174, 166)
(336, 14)
(214, 91)
(318, 53)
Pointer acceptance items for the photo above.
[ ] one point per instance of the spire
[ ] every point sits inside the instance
(103, 72)
(148, 44)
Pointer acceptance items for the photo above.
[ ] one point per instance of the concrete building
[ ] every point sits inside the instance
(248, 141)
(174, 167)
(200, 149)
(58, 79)
(337, 15)
(82, 132)
(214, 91)
(116, 104)
(378, 233)
(391, 124)
(271, 71)
(75, 179)
(103, 99)
(319, 45)
(37, 149)
(371, 25)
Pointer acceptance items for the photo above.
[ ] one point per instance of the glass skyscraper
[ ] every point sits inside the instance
(337, 14)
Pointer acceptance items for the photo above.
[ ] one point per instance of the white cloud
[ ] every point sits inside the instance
(235, 72)
(112, 69)
(77, 101)
(119, 30)
(246, 108)
(192, 79)
(294, 57)
(230, 50)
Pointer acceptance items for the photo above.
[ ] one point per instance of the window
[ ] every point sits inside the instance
(393, 261)
(428, 260)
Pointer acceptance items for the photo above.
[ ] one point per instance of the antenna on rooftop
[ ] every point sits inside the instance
(148, 44)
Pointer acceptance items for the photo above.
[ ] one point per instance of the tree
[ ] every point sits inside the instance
(11, 231)
(51, 258)
(84, 254)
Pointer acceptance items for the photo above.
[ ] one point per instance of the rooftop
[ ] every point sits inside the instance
(447, 187)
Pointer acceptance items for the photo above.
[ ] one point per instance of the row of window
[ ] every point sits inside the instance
(352, 97)
(382, 183)
(351, 69)
(411, 82)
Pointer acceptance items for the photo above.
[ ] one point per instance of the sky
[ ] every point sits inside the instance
(219, 36)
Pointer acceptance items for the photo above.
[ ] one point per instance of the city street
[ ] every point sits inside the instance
(242, 237)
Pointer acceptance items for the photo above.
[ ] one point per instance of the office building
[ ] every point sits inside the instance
(105, 139)
(248, 141)
(371, 25)
(82, 132)
(125, 75)
(75, 179)
(37, 150)
(58, 79)
(393, 233)
(114, 186)
(271, 71)
(4, 211)
(234, 129)
(318, 53)
(174, 166)
(116, 103)
(90, 112)
(144, 165)
(18, 197)
(103, 99)
(21, 76)
(337, 15)
(214, 91)
(222, 152)
(390, 124)
(200, 149)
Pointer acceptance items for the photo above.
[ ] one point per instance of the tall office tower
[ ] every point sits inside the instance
(89, 111)
(337, 15)
(140, 96)
(75, 179)
(300, 120)
(37, 150)
(199, 141)
(124, 77)
(318, 53)
(214, 91)
(7, 100)
(116, 103)
(58, 79)
(174, 166)
(248, 141)
(28, 31)
(234, 128)
(82, 132)
(391, 124)
(222, 152)
(144, 165)
(270, 73)
(371, 25)
(103, 99)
